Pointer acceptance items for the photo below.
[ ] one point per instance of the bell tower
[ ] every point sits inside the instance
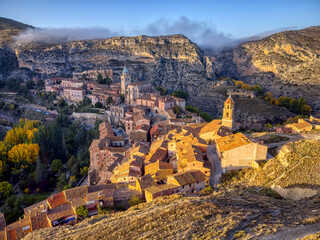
(125, 80)
(228, 113)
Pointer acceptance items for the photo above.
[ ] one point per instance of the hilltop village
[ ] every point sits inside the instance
(157, 153)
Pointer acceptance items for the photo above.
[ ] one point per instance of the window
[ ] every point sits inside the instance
(227, 114)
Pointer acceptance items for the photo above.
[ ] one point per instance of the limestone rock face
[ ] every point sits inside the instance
(295, 193)
(286, 63)
(170, 61)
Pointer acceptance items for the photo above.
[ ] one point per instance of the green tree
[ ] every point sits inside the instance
(181, 94)
(162, 90)
(62, 182)
(30, 84)
(177, 110)
(40, 83)
(40, 171)
(56, 165)
(205, 116)
(82, 212)
(99, 78)
(72, 160)
(6, 190)
(84, 171)
(98, 105)
(75, 170)
(61, 103)
(109, 100)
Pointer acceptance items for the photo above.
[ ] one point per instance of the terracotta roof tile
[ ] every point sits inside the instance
(188, 177)
(56, 200)
(232, 141)
(145, 182)
(76, 192)
(161, 188)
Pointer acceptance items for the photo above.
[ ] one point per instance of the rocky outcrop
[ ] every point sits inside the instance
(286, 63)
(170, 61)
(295, 193)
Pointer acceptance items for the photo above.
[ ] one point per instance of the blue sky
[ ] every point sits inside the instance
(235, 19)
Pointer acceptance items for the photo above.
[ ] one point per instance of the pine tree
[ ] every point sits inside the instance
(62, 181)
(40, 171)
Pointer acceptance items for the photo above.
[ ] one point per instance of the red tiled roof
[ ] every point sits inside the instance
(56, 200)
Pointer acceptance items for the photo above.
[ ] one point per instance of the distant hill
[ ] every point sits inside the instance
(6, 23)
(10, 28)
(286, 63)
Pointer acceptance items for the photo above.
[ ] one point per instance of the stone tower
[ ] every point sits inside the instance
(228, 113)
(125, 80)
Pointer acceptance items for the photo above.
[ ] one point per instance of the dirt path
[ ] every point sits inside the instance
(294, 233)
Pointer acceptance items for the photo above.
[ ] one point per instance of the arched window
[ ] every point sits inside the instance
(227, 114)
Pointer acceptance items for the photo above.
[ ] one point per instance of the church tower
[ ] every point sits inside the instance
(228, 113)
(125, 80)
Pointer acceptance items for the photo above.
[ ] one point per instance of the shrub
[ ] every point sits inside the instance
(135, 200)
(181, 94)
(6, 190)
(207, 191)
(82, 212)
(240, 234)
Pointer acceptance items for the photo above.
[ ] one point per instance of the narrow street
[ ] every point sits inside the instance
(216, 165)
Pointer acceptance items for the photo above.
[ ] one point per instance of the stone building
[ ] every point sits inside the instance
(188, 182)
(125, 80)
(71, 83)
(238, 151)
(117, 112)
(135, 90)
(168, 102)
(134, 119)
(105, 154)
(74, 94)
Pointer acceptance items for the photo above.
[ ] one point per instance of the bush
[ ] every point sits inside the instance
(98, 105)
(162, 90)
(177, 110)
(6, 190)
(135, 200)
(82, 212)
(205, 116)
(240, 234)
(84, 171)
(207, 191)
(181, 94)
(56, 165)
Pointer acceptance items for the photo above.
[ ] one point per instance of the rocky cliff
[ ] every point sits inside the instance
(171, 61)
(286, 63)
